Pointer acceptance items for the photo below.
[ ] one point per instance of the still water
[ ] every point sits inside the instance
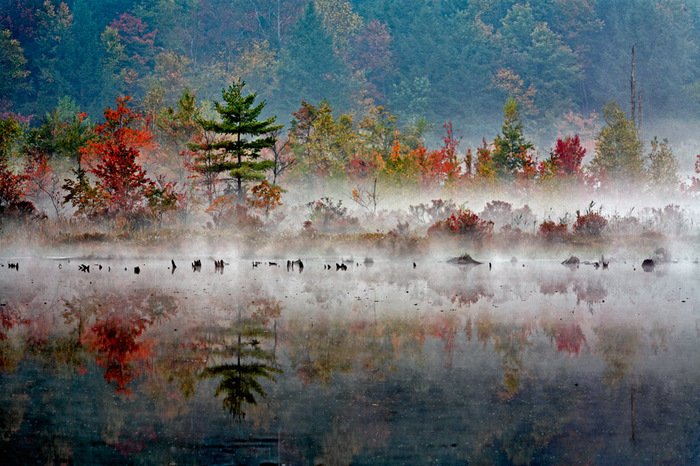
(524, 363)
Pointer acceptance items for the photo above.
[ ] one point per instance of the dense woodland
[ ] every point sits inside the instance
(136, 111)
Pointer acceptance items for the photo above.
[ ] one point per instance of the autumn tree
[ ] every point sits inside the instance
(619, 154)
(245, 136)
(122, 186)
(12, 200)
(177, 127)
(565, 160)
(662, 168)
(321, 143)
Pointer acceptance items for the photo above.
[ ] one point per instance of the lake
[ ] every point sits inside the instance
(525, 362)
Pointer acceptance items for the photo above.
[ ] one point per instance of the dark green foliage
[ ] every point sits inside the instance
(13, 71)
(310, 69)
(244, 137)
(442, 60)
(619, 151)
(511, 156)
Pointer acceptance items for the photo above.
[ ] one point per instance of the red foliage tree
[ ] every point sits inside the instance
(565, 159)
(265, 197)
(139, 45)
(122, 126)
(442, 165)
(11, 188)
(122, 184)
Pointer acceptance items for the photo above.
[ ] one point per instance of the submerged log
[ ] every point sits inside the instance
(464, 259)
(648, 265)
(573, 260)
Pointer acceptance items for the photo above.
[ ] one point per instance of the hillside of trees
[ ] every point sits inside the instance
(453, 60)
(136, 111)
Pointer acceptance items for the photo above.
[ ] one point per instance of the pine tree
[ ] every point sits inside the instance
(245, 136)
(511, 156)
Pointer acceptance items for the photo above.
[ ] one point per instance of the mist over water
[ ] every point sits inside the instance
(522, 362)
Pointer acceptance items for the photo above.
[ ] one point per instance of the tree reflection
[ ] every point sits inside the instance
(114, 336)
(241, 346)
(510, 341)
(9, 355)
(568, 336)
(319, 349)
(445, 327)
(618, 346)
(591, 292)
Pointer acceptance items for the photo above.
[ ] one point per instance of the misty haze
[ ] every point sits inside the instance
(344, 232)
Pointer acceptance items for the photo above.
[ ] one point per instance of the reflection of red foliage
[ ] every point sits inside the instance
(568, 337)
(114, 340)
(8, 319)
(446, 330)
(136, 442)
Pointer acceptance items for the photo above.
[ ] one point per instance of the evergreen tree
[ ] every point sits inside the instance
(309, 67)
(13, 65)
(511, 156)
(244, 138)
(619, 152)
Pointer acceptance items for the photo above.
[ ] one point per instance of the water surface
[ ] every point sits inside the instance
(522, 363)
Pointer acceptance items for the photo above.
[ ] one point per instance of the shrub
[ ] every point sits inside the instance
(590, 224)
(226, 212)
(462, 223)
(329, 217)
(552, 231)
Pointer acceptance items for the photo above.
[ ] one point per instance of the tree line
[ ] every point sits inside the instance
(137, 168)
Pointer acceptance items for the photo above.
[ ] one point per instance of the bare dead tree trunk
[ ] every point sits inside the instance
(633, 92)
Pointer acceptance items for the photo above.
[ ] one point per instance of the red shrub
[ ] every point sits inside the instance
(552, 231)
(590, 224)
(462, 223)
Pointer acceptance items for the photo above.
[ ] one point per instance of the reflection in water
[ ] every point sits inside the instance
(243, 347)
(618, 347)
(113, 337)
(568, 337)
(510, 342)
(385, 364)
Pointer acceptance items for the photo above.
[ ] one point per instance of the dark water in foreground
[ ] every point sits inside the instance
(383, 364)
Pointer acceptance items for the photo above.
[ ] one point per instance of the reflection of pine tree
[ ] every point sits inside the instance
(250, 361)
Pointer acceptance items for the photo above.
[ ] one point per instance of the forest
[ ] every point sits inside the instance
(124, 115)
